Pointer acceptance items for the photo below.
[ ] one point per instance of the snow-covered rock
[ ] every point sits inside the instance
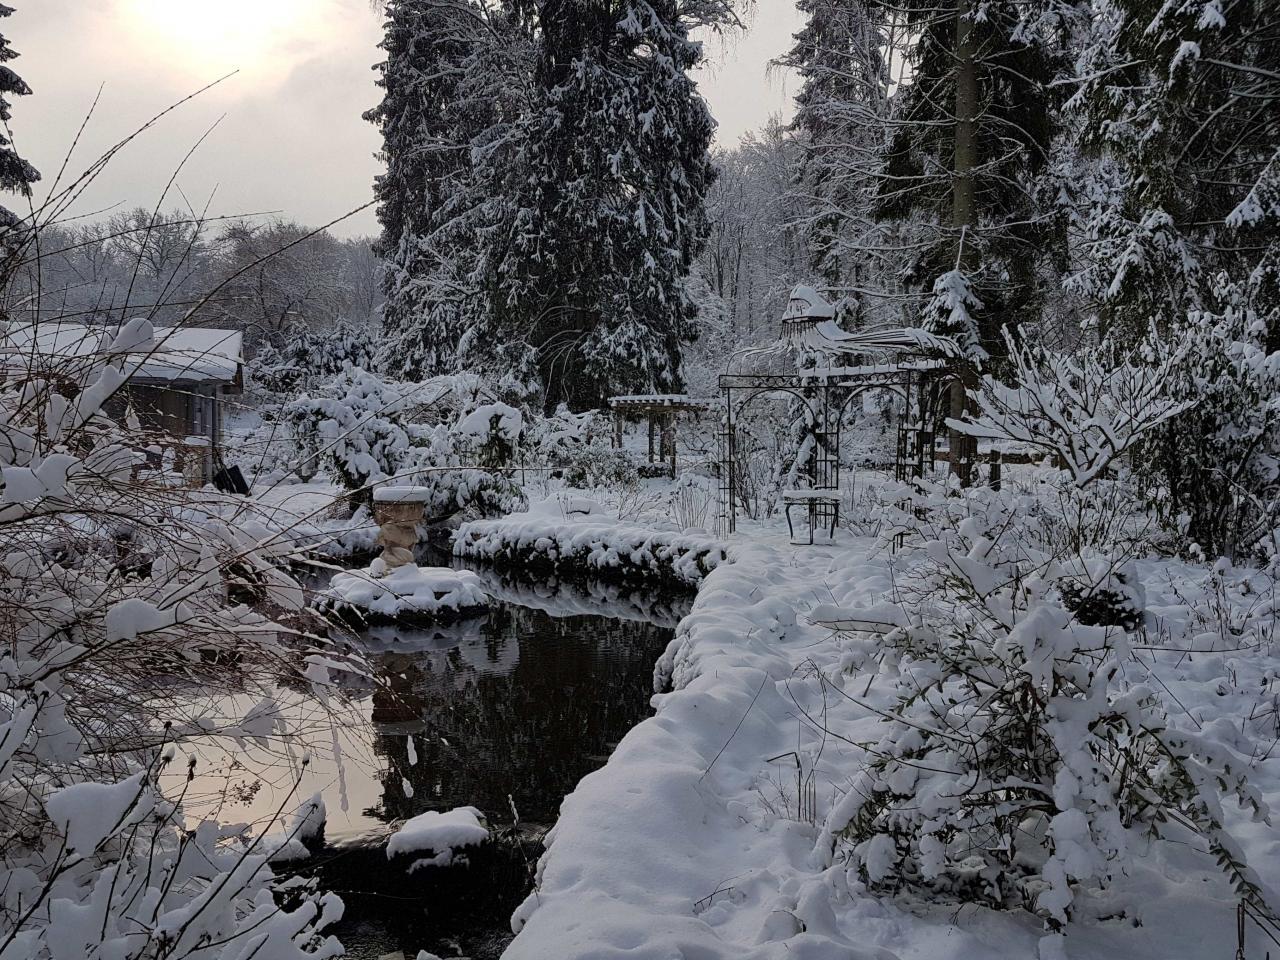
(438, 834)
(423, 593)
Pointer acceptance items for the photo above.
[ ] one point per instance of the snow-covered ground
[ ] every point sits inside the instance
(702, 838)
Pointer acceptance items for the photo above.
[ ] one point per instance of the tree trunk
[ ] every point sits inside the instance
(964, 217)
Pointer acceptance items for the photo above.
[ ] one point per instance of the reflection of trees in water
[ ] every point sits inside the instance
(527, 709)
(573, 596)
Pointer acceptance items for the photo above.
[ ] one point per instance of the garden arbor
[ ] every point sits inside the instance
(662, 412)
(821, 369)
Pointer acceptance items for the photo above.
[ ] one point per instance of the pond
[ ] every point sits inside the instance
(505, 713)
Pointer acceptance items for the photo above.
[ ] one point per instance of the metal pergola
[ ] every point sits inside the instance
(916, 366)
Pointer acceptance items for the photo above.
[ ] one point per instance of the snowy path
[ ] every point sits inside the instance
(692, 844)
(682, 846)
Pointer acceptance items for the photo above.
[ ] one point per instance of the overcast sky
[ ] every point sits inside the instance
(289, 136)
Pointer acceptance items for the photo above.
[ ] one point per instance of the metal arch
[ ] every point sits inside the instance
(923, 388)
(901, 389)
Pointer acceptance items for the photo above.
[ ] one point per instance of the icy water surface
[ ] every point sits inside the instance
(506, 713)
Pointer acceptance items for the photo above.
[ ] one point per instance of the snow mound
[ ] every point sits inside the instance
(440, 834)
(431, 593)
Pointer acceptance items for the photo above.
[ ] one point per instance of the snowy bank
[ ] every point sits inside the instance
(545, 541)
(703, 834)
(438, 834)
(426, 594)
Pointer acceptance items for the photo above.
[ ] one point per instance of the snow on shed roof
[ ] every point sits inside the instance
(187, 354)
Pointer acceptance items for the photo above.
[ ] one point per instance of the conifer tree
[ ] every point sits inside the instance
(1183, 98)
(610, 212)
(16, 174)
(971, 134)
(423, 197)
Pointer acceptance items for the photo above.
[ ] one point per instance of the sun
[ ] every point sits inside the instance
(203, 38)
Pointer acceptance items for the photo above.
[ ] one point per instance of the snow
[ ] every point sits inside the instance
(806, 303)
(659, 399)
(481, 421)
(188, 354)
(441, 834)
(402, 494)
(692, 840)
(811, 496)
(89, 813)
(420, 592)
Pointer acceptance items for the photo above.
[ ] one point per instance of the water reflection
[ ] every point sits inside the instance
(516, 706)
(511, 708)
(517, 712)
(585, 596)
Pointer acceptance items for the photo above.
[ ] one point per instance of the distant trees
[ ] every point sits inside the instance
(271, 278)
(843, 58)
(561, 148)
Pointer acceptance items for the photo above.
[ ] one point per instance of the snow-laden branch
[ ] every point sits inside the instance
(1084, 411)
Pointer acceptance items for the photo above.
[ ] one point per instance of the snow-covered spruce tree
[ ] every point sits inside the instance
(426, 128)
(1183, 97)
(842, 56)
(971, 131)
(610, 211)
(1026, 753)
(16, 174)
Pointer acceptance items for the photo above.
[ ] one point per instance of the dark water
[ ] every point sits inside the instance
(506, 714)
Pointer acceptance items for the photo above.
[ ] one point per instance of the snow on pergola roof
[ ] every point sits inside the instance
(176, 354)
(826, 337)
(809, 323)
(665, 401)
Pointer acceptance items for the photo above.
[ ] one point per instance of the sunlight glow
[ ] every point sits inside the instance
(203, 38)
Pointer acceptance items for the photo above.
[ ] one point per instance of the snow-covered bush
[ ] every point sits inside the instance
(692, 501)
(1087, 411)
(599, 465)
(309, 356)
(122, 640)
(443, 433)
(1026, 752)
(353, 427)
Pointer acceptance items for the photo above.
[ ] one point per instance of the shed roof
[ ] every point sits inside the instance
(174, 354)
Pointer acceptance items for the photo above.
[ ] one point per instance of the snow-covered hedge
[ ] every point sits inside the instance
(541, 540)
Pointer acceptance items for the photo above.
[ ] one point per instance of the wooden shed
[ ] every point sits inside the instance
(174, 398)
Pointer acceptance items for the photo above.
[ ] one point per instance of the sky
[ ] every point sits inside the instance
(284, 134)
